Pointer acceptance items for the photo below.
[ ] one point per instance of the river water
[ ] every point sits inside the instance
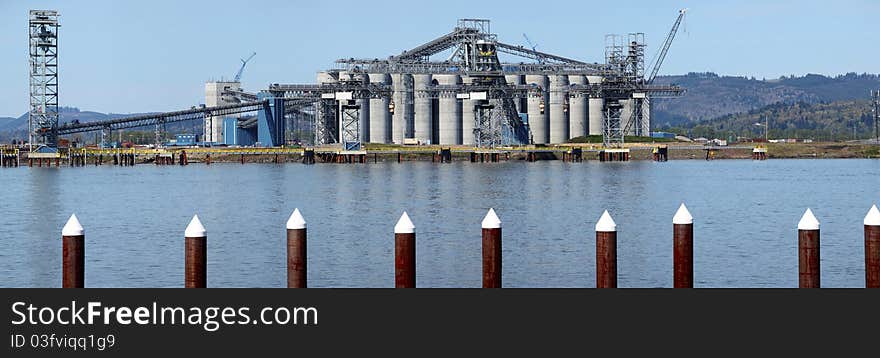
(746, 213)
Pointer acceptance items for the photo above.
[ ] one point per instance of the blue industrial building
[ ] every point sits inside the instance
(266, 130)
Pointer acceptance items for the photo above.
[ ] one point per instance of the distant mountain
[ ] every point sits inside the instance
(709, 95)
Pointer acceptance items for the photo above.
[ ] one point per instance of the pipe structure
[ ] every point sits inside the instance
(491, 250)
(296, 250)
(73, 254)
(404, 253)
(606, 252)
(872, 248)
(196, 254)
(808, 251)
(683, 248)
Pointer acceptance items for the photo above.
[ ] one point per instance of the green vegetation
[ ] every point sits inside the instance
(821, 122)
(709, 96)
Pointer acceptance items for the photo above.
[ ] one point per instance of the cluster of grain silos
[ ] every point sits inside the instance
(555, 114)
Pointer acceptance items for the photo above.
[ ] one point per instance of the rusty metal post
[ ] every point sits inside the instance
(296, 251)
(491, 250)
(196, 252)
(683, 248)
(404, 253)
(606, 252)
(872, 248)
(73, 254)
(808, 251)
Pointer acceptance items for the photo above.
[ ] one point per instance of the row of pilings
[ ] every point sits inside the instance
(10, 159)
(404, 236)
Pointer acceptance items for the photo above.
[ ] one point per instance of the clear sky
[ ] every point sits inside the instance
(139, 56)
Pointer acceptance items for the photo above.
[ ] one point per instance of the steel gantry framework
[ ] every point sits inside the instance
(624, 80)
(43, 54)
(158, 120)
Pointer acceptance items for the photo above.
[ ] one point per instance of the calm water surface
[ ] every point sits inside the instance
(746, 214)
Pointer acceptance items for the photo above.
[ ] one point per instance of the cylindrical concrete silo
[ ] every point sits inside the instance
(558, 113)
(326, 77)
(364, 103)
(516, 80)
(597, 115)
(596, 109)
(402, 96)
(423, 108)
(380, 117)
(577, 108)
(538, 119)
(468, 117)
(449, 112)
(646, 117)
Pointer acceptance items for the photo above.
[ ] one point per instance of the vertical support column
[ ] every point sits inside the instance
(872, 248)
(491, 250)
(296, 251)
(404, 253)
(683, 248)
(196, 254)
(808, 251)
(606, 252)
(73, 254)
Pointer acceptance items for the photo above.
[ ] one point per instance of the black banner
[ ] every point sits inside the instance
(91, 322)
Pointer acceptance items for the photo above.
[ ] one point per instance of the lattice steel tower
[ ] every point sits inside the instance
(43, 116)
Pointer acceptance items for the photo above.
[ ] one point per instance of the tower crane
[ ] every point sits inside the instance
(665, 48)
(244, 62)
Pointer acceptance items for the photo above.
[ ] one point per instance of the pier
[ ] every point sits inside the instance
(79, 157)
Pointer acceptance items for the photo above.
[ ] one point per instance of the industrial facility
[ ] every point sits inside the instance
(452, 90)
(469, 97)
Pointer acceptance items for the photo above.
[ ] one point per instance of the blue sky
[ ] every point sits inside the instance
(137, 56)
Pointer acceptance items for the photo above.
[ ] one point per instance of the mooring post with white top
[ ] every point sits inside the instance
(872, 248)
(73, 254)
(196, 252)
(491, 250)
(808, 251)
(404, 253)
(296, 250)
(683, 248)
(606, 252)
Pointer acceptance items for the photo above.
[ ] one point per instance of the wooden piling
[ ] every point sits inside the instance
(196, 254)
(296, 251)
(73, 254)
(404, 253)
(683, 248)
(808, 251)
(606, 252)
(491, 250)
(872, 248)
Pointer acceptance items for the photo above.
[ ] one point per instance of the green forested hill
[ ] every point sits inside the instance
(710, 96)
(818, 121)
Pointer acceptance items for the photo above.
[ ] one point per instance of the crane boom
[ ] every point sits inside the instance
(241, 69)
(663, 50)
